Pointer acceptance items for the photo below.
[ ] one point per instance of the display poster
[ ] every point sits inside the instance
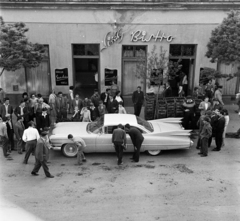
(61, 76)
(110, 76)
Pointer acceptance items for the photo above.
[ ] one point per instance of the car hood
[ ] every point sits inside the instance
(74, 128)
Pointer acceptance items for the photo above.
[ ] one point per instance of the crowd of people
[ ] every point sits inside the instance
(36, 115)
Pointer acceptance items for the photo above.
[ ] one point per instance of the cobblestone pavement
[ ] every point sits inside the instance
(176, 185)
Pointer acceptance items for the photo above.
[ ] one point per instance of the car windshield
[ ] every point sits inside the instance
(94, 126)
(145, 124)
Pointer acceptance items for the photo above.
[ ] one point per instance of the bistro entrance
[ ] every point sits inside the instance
(86, 69)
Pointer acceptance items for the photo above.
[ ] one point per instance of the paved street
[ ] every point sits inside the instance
(176, 185)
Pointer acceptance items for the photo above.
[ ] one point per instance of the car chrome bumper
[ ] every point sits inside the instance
(56, 148)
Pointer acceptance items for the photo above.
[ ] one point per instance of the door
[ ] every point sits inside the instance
(130, 81)
(38, 79)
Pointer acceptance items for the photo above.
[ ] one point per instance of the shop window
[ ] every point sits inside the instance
(86, 49)
(182, 50)
(140, 51)
(134, 51)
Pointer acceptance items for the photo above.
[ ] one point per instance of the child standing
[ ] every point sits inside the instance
(86, 115)
(76, 114)
(79, 142)
(121, 109)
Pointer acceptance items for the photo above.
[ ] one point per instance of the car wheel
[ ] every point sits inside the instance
(69, 150)
(154, 152)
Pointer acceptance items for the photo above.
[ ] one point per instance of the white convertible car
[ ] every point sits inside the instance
(161, 134)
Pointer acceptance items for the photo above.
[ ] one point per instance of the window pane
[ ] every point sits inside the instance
(127, 51)
(188, 50)
(140, 51)
(78, 49)
(92, 49)
(46, 52)
(175, 50)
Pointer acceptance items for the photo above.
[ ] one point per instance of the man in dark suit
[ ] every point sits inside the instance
(42, 155)
(138, 100)
(6, 108)
(61, 106)
(19, 129)
(137, 140)
(119, 141)
(77, 102)
(22, 111)
(220, 124)
(95, 98)
(44, 120)
(10, 132)
(105, 96)
(112, 106)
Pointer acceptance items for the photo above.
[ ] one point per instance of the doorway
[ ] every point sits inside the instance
(86, 69)
(186, 54)
(86, 76)
(131, 57)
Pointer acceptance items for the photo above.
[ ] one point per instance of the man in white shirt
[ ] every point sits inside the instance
(30, 137)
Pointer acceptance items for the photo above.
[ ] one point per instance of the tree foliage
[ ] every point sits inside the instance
(159, 63)
(224, 44)
(15, 49)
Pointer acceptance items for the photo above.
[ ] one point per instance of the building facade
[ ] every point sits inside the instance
(91, 43)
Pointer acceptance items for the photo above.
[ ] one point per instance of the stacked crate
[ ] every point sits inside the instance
(149, 106)
(170, 101)
(162, 108)
(178, 104)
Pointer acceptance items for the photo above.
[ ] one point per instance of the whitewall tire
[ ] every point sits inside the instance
(69, 150)
(153, 152)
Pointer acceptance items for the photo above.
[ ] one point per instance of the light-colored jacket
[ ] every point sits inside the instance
(3, 130)
(203, 107)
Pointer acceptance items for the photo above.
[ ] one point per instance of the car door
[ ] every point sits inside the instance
(104, 140)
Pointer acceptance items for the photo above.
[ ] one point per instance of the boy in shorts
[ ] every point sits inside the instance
(79, 142)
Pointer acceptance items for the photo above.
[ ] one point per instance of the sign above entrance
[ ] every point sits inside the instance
(136, 36)
(142, 36)
(61, 76)
(111, 38)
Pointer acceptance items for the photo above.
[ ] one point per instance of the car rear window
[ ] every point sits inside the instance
(93, 126)
(145, 124)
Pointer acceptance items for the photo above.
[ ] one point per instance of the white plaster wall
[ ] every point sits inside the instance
(61, 28)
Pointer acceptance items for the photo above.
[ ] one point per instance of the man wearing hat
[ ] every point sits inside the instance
(19, 129)
(42, 155)
(189, 112)
(119, 141)
(30, 137)
(218, 95)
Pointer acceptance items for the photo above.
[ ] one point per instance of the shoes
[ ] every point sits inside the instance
(34, 174)
(200, 153)
(236, 111)
(203, 155)
(7, 155)
(215, 149)
(51, 176)
(19, 152)
(23, 150)
(84, 160)
(120, 163)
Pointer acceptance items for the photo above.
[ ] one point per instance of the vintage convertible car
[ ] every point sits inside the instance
(161, 134)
